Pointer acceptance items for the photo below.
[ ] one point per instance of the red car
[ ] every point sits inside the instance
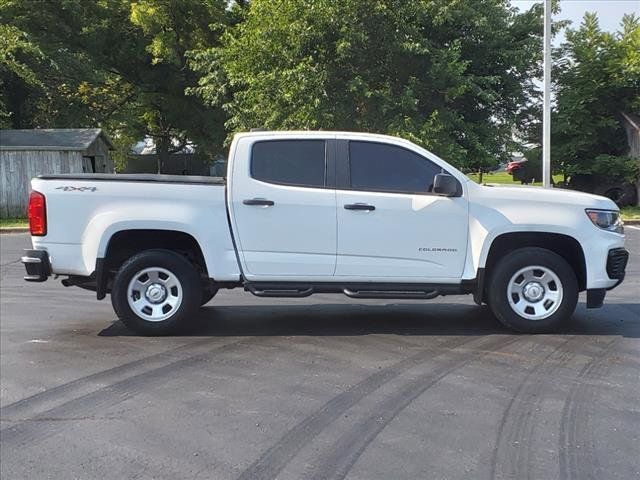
(515, 165)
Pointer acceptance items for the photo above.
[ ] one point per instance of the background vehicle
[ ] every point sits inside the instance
(622, 192)
(369, 216)
(515, 165)
(521, 172)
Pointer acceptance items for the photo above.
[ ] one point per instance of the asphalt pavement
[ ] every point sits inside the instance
(318, 388)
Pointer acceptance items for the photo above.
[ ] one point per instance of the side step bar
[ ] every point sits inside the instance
(278, 291)
(419, 294)
(355, 290)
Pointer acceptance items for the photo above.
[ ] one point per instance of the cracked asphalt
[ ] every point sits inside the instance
(319, 388)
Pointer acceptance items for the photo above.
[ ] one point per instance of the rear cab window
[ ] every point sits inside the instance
(290, 162)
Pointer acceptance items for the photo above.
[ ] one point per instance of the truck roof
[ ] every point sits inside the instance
(318, 133)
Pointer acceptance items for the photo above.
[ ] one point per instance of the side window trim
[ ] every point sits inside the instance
(343, 174)
(343, 169)
(329, 165)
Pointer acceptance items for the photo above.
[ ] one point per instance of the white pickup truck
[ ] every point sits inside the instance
(370, 216)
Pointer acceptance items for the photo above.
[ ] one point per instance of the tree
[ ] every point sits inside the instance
(52, 85)
(138, 52)
(17, 75)
(172, 28)
(597, 78)
(452, 76)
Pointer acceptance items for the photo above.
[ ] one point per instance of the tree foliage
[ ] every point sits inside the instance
(452, 76)
(124, 65)
(597, 78)
(17, 74)
(457, 77)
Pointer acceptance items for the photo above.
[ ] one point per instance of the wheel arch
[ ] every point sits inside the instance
(564, 245)
(122, 244)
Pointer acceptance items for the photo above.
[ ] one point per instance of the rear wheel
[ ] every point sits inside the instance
(533, 290)
(156, 292)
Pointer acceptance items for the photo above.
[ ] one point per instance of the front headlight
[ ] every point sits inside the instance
(606, 219)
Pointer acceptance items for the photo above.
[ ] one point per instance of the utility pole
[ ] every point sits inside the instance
(546, 102)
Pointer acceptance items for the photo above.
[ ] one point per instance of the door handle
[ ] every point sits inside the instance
(359, 206)
(258, 201)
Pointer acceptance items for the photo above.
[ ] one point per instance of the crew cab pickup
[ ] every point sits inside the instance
(369, 216)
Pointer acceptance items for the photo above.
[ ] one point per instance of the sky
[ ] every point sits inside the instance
(609, 12)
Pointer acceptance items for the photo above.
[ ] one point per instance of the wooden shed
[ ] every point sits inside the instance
(25, 154)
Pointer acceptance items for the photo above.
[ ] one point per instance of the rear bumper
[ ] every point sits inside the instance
(37, 265)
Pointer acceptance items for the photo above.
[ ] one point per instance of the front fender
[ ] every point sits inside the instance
(480, 254)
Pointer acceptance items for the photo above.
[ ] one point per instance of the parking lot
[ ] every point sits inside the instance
(319, 388)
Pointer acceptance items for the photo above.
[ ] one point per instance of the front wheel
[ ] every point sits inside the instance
(155, 292)
(207, 295)
(533, 290)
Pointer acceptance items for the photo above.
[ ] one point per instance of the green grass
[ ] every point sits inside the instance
(503, 177)
(630, 213)
(496, 177)
(13, 222)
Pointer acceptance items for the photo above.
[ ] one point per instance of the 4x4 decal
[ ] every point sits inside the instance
(77, 189)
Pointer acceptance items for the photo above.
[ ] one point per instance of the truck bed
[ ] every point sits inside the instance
(85, 210)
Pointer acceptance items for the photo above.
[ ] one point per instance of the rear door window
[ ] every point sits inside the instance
(290, 162)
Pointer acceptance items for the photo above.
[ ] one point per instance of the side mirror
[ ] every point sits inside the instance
(445, 185)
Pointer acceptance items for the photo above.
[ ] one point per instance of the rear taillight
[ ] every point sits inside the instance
(37, 214)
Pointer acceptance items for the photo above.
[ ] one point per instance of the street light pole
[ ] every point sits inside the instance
(546, 102)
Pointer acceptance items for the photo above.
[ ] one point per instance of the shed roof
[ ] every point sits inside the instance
(51, 139)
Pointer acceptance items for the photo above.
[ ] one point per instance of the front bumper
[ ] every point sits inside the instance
(616, 264)
(37, 264)
(617, 259)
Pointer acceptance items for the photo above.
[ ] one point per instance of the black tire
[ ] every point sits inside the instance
(207, 295)
(511, 264)
(187, 277)
(623, 195)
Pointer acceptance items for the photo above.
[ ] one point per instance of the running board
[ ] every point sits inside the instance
(355, 290)
(417, 294)
(275, 291)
